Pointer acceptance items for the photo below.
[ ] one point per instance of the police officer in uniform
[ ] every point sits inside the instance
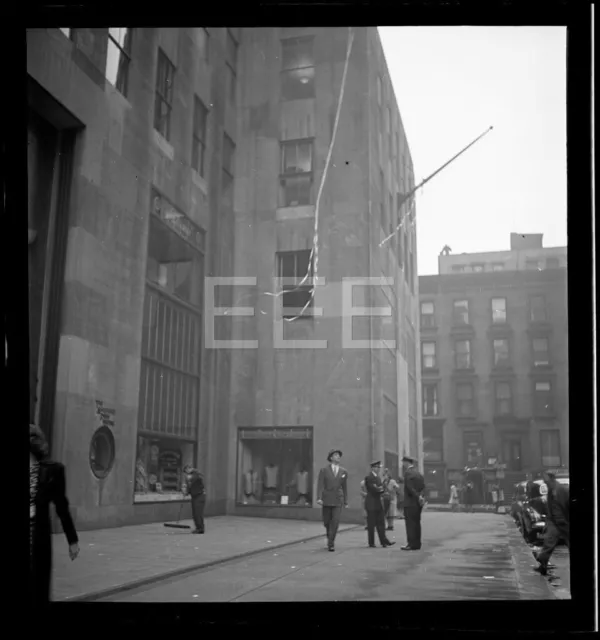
(374, 507)
(414, 500)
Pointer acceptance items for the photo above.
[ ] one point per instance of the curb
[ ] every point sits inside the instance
(142, 582)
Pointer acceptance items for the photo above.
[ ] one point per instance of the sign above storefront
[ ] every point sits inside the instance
(177, 221)
(275, 434)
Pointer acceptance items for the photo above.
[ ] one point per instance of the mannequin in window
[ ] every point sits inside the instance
(250, 486)
(270, 482)
(302, 487)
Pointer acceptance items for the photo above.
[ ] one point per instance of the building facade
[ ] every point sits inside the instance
(160, 159)
(494, 352)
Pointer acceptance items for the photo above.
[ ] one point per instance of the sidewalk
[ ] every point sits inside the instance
(477, 508)
(114, 559)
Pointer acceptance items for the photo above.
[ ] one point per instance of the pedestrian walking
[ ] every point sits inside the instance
(47, 483)
(374, 507)
(197, 491)
(453, 497)
(385, 479)
(414, 501)
(469, 497)
(557, 521)
(392, 489)
(363, 493)
(332, 494)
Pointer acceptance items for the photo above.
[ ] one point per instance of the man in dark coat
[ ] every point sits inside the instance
(374, 507)
(332, 494)
(197, 492)
(557, 521)
(414, 486)
(47, 483)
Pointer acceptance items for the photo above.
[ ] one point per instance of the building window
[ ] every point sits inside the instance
(163, 104)
(298, 68)
(541, 352)
(538, 309)
(292, 267)
(543, 399)
(503, 399)
(532, 265)
(427, 314)
(458, 268)
(462, 354)
(498, 310)
(428, 355)
(433, 443)
(473, 443)
(497, 266)
(228, 162)
(296, 173)
(501, 352)
(231, 56)
(464, 397)
(550, 447)
(199, 137)
(379, 91)
(275, 466)
(552, 263)
(118, 57)
(460, 312)
(478, 268)
(430, 399)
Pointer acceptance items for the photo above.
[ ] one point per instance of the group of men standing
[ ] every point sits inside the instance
(332, 492)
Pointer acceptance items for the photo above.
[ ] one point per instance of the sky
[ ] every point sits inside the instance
(451, 84)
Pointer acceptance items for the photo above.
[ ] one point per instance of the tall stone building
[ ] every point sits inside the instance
(162, 158)
(494, 354)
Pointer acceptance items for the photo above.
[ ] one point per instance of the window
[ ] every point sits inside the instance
(388, 120)
(296, 173)
(199, 137)
(550, 447)
(460, 312)
(231, 55)
(497, 266)
(458, 268)
(427, 314)
(379, 91)
(498, 310)
(543, 398)
(430, 399)
(292, 267)
(118, 57)
(541, 350)
(298, 70)
(552, 263)
(275, 466)
(228, 161)
(428, 355)
(538, 309)
(462, 354)
(473, 443)
(503, 399)
(464, 396)
(164, 95)
(532, 265)
(391, 219)
(478, 268)
(433, 443)
(501, 353)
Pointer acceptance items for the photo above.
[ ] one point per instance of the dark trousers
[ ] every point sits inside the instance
(198, 503)
(376, 520)
(412, 518)
(331, 520)
(553, 534)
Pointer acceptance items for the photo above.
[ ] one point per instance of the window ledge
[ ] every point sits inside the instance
(295, 213)
(200, 182)
(164, 145)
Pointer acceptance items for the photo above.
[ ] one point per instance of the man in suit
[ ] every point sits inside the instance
(414, 486)
(374, 507)
(197, 493)
(332, 494)
(46, 484)
(557, 521)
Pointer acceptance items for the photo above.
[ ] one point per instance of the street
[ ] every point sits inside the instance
(464, 557)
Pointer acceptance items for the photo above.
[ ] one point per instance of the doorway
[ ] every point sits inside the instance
(512, 454)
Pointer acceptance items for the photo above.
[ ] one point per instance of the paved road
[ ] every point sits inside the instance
(465, 557)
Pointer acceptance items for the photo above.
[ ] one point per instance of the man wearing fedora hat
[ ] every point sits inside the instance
(414, 500)
(332, 494)
(374, 507)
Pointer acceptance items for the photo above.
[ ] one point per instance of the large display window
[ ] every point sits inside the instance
(275, 466)
(159, 468)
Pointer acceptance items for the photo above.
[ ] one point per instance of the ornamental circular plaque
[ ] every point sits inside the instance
(102, 452)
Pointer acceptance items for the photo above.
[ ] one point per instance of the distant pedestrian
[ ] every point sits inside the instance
(197, 491)
(332, 494)
(374, 506)
(453, 497)
(469, 497)
(363, 493)
(414, 501)
(385, 480)
(47, 483)
(392, 490)
(557, 521)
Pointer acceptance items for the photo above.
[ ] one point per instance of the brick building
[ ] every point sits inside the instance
(160, 157)
(495, 366)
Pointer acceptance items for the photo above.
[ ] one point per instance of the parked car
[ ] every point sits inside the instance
(529, 511)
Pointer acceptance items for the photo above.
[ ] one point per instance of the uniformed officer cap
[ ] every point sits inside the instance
(376, 464)
(409, 459)
(330, 454)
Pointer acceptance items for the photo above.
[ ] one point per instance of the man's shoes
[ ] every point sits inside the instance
(197, 531)
(541, 569)
(331, 548)
(389, 543)
(372, 546)
(406, 548)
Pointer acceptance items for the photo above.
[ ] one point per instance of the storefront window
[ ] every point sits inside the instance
(275, 467)
(159, 468)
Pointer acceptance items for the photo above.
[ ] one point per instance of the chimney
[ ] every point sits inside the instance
(525, 241)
